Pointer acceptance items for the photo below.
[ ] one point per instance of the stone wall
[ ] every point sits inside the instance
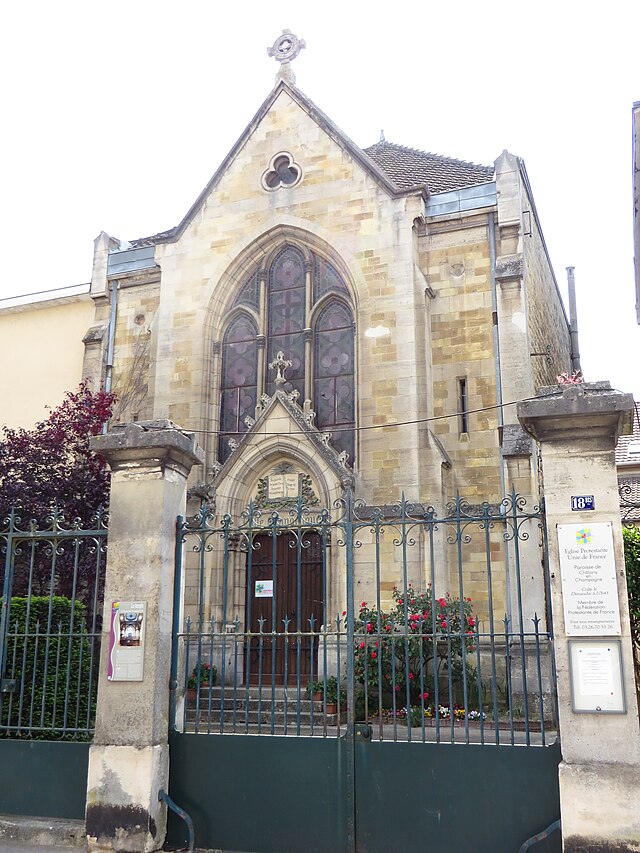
(456, 261)
(547, 321)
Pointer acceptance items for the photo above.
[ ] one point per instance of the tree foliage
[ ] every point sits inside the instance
(51, 465)
(631, 536)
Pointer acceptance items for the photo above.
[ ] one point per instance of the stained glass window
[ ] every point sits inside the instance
(334, 375)
(288, 307)
(327, 280)
(286, 311)
(249, 294)
(239, 380)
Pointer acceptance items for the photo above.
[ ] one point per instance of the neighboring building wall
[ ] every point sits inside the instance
(636, 200)
(41, 356)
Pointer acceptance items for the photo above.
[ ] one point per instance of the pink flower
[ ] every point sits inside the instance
(472, 621)
(410, 676)
(364, 604)
(344, 612)
(443, 623)
(369, 628)
(362, 645)
(374, 654)
(442, 602)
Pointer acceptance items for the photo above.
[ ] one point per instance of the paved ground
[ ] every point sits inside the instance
(21, 847)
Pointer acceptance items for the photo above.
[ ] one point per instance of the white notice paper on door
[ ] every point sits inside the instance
(264, 589)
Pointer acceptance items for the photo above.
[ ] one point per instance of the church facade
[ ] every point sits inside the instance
(327, 317)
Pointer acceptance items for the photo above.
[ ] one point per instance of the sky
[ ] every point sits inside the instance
(115, 116)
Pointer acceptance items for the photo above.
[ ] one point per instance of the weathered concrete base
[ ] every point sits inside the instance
(600, 806)
(41, 832)
(123, 810)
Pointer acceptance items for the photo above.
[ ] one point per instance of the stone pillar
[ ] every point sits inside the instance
(129, 758)
(577, 427)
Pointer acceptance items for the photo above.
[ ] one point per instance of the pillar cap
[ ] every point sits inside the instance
(559, 410)
(148, 443)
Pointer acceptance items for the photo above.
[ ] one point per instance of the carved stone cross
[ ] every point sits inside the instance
(280, 363)
(285, 48)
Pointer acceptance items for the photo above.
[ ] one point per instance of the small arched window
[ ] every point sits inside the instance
(321, 352)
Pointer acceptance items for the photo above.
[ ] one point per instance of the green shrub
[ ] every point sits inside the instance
(631, 537)
(49, 654)
(397, 648)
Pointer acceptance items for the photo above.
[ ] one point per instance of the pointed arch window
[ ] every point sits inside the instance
(334, 374)
(304, 307)
(239, 386)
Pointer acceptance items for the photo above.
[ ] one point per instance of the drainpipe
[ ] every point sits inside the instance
(573, 320)
(113, 313)
(496, 348)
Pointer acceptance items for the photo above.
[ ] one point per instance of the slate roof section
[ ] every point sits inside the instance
(409, 167)
(628, 446)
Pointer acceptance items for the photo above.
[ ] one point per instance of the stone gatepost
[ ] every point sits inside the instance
(129, 758)
(577, 427)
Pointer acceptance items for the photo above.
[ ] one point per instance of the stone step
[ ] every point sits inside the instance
(240, 704)
(254, 717)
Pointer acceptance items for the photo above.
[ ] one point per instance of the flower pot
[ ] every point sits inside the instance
(192, 692)
(331, 708)
(318, 696)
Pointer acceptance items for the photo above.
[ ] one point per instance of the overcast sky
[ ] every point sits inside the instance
(115, 115)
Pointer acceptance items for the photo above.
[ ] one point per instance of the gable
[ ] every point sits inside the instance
(283, 429)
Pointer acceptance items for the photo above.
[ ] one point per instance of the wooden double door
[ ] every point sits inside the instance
(285, 580)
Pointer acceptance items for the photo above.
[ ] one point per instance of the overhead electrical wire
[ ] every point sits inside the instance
(336, 429)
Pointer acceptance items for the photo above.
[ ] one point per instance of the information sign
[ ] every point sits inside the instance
(589, 586)
(126, 647)
(596, 676)
(264, 589)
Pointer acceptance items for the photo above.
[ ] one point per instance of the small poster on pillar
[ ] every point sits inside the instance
(589, 585)
(126, 646)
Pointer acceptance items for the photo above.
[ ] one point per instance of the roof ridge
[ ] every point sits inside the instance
(386, 144)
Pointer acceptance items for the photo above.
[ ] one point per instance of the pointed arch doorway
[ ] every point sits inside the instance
(286, 580)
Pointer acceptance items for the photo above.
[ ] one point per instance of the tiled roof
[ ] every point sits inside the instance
(628, 447)
(155, 238)
(408, 167)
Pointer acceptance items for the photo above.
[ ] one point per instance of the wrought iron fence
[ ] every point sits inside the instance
(421, 627)
(50, 627)
(629, 494)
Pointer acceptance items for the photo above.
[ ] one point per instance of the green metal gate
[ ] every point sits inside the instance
(52, 581)
(402, 696)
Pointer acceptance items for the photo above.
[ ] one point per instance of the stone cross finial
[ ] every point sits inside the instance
(280, 363)
(285, 48)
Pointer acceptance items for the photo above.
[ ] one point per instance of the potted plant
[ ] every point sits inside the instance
(315, 689)
(330, 688)
(203, 674)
